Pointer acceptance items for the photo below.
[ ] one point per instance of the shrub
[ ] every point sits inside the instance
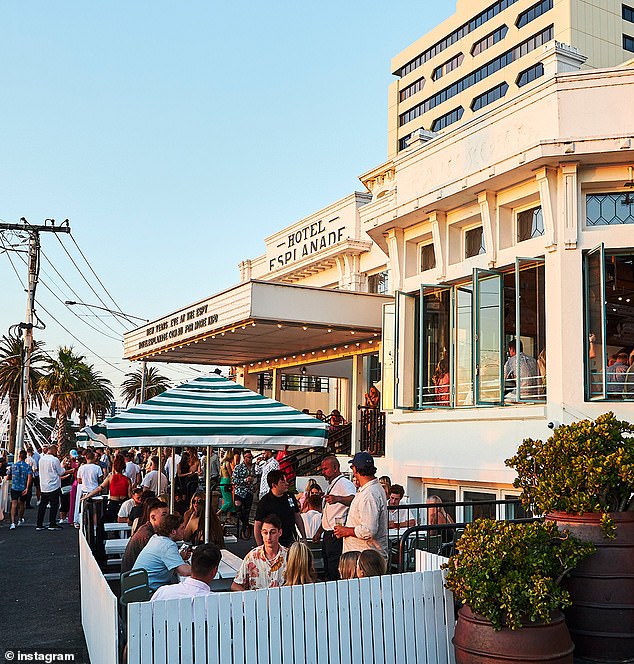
(510, 573)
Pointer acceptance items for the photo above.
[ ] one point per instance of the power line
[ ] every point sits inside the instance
(84, 278)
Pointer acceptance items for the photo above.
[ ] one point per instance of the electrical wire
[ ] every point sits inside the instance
(72, 260)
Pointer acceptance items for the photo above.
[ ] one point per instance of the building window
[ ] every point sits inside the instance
(486, 15)
(427, 257)
(530, 224)
(412, 89)
(473, 512)
(628, 43)
(628, 13)
(529, 75)
(379, 283)
(447, 119)
(610, 209)
(513, 54)
(609, 324)
(488, 41)
(474, 242)
(533, 12)
(303, 383)
(447, 67)
(489, 96)
(402, 142)
(464, 334)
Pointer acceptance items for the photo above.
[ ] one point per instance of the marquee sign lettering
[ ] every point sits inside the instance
(173, 328)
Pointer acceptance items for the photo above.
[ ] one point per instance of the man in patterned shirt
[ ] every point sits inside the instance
(21, 478)
(264, 566)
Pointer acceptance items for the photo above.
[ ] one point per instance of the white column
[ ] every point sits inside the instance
(356, 397)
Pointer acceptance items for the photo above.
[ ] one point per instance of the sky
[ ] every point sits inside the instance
(176, 136)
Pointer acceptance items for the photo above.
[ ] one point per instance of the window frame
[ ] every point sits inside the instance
(388, 347)
(600, 249)
(399, 349)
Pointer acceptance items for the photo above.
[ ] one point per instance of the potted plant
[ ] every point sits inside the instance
(508, 577)
(582, 478)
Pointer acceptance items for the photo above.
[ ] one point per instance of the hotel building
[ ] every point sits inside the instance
(511, 223)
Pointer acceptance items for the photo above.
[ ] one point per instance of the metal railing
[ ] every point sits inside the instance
(372, 431)
(439, 538)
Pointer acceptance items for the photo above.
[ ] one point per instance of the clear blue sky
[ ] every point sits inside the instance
(175, 136)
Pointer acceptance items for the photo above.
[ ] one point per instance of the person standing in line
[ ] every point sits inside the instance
(284, 505)
(264, 566)
(33, 458)
(21, 477)
(337, 499)
(51, 473)
(366, 524)
(155, 480)
(263, 468)
(243, 478)
(88, 477)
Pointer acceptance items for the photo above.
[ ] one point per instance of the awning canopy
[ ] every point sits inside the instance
(259, 320)
(211, 411)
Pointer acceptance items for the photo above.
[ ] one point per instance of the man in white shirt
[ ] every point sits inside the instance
(366, 523)
(51, 472)
(126, 507)
(337, 499)
(88, 479)
(132, 471)
(33, 458)
(155, 480)
(204, 562)
(168, 466)
(263, 468)
(403, 517)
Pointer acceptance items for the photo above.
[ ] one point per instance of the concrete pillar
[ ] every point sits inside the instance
(277, 384)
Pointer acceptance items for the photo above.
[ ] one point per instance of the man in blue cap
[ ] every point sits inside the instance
(366, 524)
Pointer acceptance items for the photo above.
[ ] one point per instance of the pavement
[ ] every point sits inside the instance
(39, 582)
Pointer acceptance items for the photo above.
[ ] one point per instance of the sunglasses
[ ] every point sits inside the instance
(198, 502)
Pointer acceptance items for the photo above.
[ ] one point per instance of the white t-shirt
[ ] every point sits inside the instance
(151, 481)
(187, 588)
(125, 509)
(51, 471)
(168, 465)
(132, 471)
(340, 486)
(89, 473)
(312, 521)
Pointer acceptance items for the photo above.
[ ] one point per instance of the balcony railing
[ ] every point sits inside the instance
(372, 431)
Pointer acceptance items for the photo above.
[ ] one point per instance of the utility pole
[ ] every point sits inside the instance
(34, 270)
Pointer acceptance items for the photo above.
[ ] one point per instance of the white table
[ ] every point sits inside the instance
(122, 529)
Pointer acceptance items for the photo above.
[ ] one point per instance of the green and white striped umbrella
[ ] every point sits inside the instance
(211, 411)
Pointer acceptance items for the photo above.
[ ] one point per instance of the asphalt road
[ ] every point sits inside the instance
(39, 590)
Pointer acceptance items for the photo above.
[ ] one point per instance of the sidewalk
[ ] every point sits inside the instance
(39, 582)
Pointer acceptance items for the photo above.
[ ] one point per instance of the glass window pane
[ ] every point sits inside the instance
(464, 358)
(387, 357)
(406, 350)
(435, 382)
(447, 496)
(488, 337)
(473, 512)
(595, 323)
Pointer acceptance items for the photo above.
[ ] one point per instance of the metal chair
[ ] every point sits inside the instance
(134, 587)
(318, 560)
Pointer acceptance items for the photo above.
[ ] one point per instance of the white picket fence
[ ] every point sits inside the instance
(426, 561)
(388, 619)
(98, 609)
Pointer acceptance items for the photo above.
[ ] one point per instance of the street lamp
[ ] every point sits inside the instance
(127, 317)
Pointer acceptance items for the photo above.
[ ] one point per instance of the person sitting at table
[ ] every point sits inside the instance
(194, 523)
(371, 563)
(400, 518)
(264, 566)
(160, 556)
(439, 515)
(157, 510)
(300, 567)
(348, 565)
(138, 514)
(336, 419)
(126, 508)
(204, 563)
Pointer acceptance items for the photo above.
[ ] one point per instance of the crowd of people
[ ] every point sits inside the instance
(346, 522)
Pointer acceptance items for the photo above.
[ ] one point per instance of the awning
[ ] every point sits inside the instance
(259, 320)
(213, 412)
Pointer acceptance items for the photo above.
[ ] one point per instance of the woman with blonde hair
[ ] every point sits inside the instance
(348, 565)
(371, 563)
(299, 565)
(226, 472)
(439, 515)
(194, 523)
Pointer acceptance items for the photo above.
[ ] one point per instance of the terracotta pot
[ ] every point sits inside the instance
(476, 642)
(601, 619)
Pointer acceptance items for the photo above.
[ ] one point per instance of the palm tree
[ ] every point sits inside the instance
(11, 360)
(154, 384)
(94, 396)
(61, 384)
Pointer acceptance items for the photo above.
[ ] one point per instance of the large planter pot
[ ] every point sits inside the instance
(601, 619)
(476, 642)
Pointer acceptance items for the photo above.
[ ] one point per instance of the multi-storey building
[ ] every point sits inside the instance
(488, 52)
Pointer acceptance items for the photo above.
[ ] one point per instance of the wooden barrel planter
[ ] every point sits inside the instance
(601, 619)
(476, 642)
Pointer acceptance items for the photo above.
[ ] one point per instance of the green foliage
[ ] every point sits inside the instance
(587, 466)
(510, 573)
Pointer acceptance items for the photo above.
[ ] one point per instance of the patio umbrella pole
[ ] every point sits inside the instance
(172, 485)
(207, 492)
